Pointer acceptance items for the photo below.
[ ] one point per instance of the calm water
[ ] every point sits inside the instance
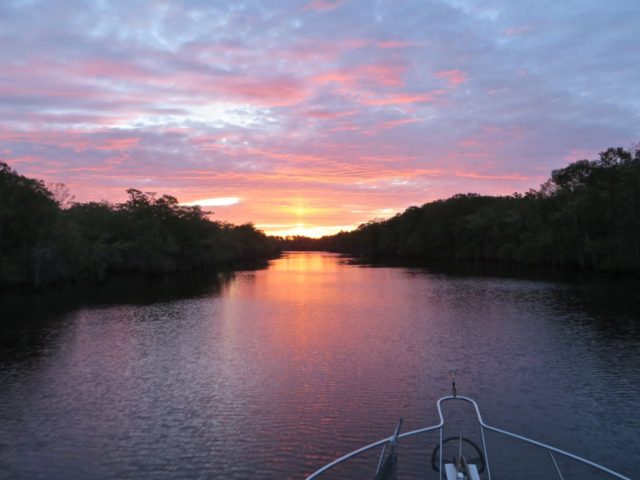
(269, 373)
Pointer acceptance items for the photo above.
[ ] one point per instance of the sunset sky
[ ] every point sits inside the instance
(313, 116)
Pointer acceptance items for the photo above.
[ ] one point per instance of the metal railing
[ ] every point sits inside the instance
(483, 426)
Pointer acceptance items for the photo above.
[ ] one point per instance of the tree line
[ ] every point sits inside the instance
(45, 238)
(585, 216)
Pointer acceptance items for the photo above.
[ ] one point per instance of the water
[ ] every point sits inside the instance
(271, 372)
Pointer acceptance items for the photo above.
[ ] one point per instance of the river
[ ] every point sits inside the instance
(271, 372)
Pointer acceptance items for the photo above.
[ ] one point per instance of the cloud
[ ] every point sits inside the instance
(401, 99)
(396, 123)
(213, 202)
(323, 5)
(398, 44)
(453, 77)
(329, 102)
(377, 74)
(512, 31)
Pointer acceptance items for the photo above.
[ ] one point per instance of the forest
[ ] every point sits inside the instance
(585, 216)
(45, 238)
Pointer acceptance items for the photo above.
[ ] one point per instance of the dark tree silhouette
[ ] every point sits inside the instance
(45, 239)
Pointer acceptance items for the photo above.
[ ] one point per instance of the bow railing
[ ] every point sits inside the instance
(483, 427)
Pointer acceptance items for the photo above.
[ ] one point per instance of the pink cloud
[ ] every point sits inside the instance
(112, 69)
(111, 144)
(50, 90)
(354, 43)
(88, 169)
(480, 176)
(471, 143)
(389, 124)
(510, 32)
(68, 119)
(327, 114)
(22, 160)
(323, 5)
(578, 154)
(273, 91)
(343, 127)
(279, 91)
(453, 77)
(327, 51)
(397, 44)
(89, 140)
(144, 87)
(401, 99)
(336, 76)
(389, 75)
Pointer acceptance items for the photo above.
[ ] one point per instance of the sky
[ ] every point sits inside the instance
(310, 117)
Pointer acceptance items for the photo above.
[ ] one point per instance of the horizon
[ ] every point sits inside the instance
(316, 116)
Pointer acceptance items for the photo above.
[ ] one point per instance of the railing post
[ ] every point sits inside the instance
(486, 455)
(555, 464)
(384, 449)
(440, 473)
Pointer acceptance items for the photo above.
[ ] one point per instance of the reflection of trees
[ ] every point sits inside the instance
(31, 321)
(44, 238)
(610, 307)
(587, 216)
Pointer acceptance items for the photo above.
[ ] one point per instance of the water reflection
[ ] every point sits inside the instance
(32, 321)
(270, 373)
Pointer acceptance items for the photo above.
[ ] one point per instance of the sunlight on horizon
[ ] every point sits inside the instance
(304, 230)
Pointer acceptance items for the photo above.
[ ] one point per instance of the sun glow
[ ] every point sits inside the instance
(305, 230)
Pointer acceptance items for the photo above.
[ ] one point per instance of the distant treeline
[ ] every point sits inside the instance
(44, 238)
(585, 216)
